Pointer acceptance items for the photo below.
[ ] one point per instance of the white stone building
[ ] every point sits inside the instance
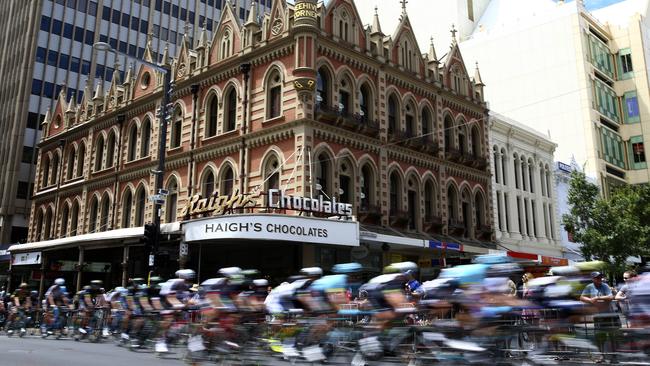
(523, 194)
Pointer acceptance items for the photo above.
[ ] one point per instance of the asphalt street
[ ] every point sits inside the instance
(31, 351)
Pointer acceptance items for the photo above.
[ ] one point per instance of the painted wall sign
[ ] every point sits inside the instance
(23, 259)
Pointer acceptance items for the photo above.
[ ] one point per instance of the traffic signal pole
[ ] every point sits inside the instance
(160, 171)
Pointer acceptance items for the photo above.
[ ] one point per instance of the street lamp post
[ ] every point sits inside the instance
(163, 116)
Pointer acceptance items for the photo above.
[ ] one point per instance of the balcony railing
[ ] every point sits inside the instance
(338, 116)
(398, 218)
(433, 224)
(455, 227)
(369, 214)
(453, 154)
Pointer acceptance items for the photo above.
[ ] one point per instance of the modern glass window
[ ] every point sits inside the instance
(606, 100)
(625, 68)
(612, 147)
(631, 105)
(600, 56)
(57, 25)
(52, 57)
(45, 23)
(637, 153)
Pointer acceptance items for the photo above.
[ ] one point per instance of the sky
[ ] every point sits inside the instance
(597, 4)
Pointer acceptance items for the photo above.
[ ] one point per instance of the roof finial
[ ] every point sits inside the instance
(404, 2)
(478, 80)
(376, 10)
(453, 34)
(376, 27)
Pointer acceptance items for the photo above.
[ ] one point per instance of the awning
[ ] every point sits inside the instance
(104, 236)
(398, 241)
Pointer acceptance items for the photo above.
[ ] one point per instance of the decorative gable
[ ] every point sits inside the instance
(279, 20)
(227, 39)
(146, 81)
(455, 74)
(342, 20)
(405, 51)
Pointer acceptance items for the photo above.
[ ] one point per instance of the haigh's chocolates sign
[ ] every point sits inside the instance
(274, 199)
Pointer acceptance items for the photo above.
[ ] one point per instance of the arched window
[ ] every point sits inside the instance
(458, 80)
(462, 138)
(466, 210)
(476, 142)
(323, 172)
(104, 218)
(504, 166)
(410, 120)
(413, 203)
(39, 226)
(345, 95)
(367, 187)
(272, 174)
(65, 215)
(177, 129)
(523, 172)
(515, 167)
(323, 87)
(395, 190)
(449, 134)
(133, 143)
(48, 224)
(274, 95)
(145, 138)
(140, 205)
(230, 120)
(226, 44)
(452, 204)
(99, 153)
(497, 173)
(393, 115)
(211, 118)
(93, 215)
(227, 182)
(344, 27)
(55, 169)
(207, 186)
(110, 150)
(69, 170)
(542, 180)
(81, 159)
(172, 201)
(479, 209)
(46, 170)
(531, 173)
(74, 218)
(365, 102)
(346, 181)
(127, 208)
(427, 125)
(429, 201)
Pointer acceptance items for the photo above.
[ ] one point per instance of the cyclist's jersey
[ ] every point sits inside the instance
(22, 296)
(57, 294)
(175, 287)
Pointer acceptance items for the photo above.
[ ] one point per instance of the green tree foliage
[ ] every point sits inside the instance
(611, 229)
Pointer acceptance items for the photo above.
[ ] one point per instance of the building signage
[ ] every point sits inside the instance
(218, 205)
(434, 244)
(564, 167)
(23, 259)
(305, 9)
(272, 227)
(275, 199)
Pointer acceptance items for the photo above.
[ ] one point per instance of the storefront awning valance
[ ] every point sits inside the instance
(103, 236)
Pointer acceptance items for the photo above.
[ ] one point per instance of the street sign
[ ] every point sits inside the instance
(151, 260)
(157, 198)
(183, 249)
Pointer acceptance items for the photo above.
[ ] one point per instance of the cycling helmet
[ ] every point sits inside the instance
(59, 282)
(312, 271)
(261, 282)
(96, 283)
(347, 268)
(23, 285)
(186, 274)
(155, 280)
(87, 288)
(230, 271)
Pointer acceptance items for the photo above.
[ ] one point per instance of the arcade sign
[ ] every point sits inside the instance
(273, 199)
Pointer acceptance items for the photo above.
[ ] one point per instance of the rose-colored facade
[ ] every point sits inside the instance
(332, 108)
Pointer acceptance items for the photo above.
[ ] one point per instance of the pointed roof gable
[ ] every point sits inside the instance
(376, 26)
(55, 124)
(405, 29)
(477, 77)
(454, 57)
(183, 59)
(228, 20)
(146, 81)
(333, 4)
(279, 19)
(148, 53)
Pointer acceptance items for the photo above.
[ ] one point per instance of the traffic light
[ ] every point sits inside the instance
(149, 238)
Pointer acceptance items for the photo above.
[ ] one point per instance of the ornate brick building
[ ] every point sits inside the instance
(331, 108)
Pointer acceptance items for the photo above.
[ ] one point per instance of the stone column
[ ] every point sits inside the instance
(80, 268)
(125, 265)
